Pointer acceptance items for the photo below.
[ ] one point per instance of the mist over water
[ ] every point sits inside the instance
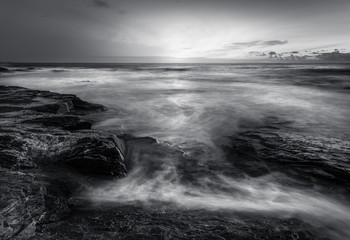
(192, 110)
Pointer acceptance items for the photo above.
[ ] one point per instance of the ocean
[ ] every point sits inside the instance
(266, 139)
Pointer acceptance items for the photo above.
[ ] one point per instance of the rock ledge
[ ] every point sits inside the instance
(42, 130)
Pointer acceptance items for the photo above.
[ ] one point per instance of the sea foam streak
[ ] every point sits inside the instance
(262, 195)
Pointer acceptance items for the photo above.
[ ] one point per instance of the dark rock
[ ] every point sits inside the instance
(46, 102)
(5, 109)
(58, 70)
(80, 105)
(47, 134)
(47, 108)
(2, 69)
(245, 157)
(315, 159)
(71, 123)
(13, 153)
(80, 125)
(130, 222)
(29, 199)
(41, 130)
(95, 156)
(129, 137)
(28, 69)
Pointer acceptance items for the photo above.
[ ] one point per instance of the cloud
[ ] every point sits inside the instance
(245, 44)
(258, 43)
(273, 43)
(322, 55)
(249, 45)
(257, 54)
(334, 56)
(239, 46)
(101, 3)
(106, 4)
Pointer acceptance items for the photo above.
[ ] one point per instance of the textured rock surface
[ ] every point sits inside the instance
(314, 159)
(130, 222)
(28, 199)
(41, 130)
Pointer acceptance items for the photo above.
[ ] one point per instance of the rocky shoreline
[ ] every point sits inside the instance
(43, 132)
(49, 155)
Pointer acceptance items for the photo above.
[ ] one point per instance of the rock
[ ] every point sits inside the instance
(316, 159)
(2, 69)
(29, 199)
(96, 156)
(81, 106)
(41, 130)
(13, 153)
(132, 222)
(71, 123)
(58, 70)
(244, 156)
(28, 69)
(48, 108)
(41, 134)
(89, 152)
(45, 101)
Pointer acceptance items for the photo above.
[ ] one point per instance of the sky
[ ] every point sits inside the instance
(171, 30)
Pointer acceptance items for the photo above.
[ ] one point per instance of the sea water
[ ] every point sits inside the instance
(194, 108)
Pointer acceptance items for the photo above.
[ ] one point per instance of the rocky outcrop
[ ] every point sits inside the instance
(2, 69)
(316, 159)
(41, 130)
(11, 70)
(49, 155)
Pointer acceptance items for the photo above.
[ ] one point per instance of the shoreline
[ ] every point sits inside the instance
(42, 130)
(50, 156)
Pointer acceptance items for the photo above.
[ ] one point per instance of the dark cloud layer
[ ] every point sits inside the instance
(250, 44)
(334, 56)
(323, 55)
(259, 43)
(274, 42)
(101, 3)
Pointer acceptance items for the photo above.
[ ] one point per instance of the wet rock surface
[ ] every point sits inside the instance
(29, 199)
(40, 130)
(316, 160)
(130, 222)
